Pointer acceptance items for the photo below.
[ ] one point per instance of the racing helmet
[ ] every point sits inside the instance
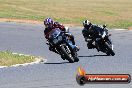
(87, 23)
(48, 22)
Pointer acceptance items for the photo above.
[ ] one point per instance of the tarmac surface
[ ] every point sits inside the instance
(57, 73)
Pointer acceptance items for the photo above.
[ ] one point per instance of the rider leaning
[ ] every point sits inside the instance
(49, 25)
(91, 32)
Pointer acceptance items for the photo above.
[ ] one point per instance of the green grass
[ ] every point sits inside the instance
(115, 13)
(8, 59)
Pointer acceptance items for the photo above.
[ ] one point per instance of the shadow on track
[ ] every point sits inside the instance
(92, 55)
(57, 63)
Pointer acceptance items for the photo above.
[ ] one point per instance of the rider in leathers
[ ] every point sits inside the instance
(91, 33)
(49, 25)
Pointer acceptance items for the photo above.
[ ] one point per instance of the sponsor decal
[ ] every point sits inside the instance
(83, 78)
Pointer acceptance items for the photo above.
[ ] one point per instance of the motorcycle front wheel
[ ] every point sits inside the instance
(66, 51)
(109, 50)
(76, 59)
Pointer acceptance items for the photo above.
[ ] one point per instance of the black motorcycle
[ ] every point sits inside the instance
(62, 45)
(103, 43)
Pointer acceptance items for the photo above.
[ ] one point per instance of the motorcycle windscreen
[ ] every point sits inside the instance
(54, 33)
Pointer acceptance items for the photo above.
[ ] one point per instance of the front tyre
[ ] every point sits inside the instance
(76, 59)
(67, 54)
(109, 50)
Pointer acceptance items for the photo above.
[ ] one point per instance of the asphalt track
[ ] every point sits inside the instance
(56, 73)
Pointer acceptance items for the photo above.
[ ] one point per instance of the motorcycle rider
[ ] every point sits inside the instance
(91, 32)
(49, 25)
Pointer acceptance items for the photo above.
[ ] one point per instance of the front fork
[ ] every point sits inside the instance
(72, 48)
(99, 42)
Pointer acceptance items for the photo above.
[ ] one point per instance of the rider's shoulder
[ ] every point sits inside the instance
(57, 23)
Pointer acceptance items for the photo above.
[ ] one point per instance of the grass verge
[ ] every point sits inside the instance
(8, 58)
(115, 13)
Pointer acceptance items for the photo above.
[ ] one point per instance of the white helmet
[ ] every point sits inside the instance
(86, 23)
